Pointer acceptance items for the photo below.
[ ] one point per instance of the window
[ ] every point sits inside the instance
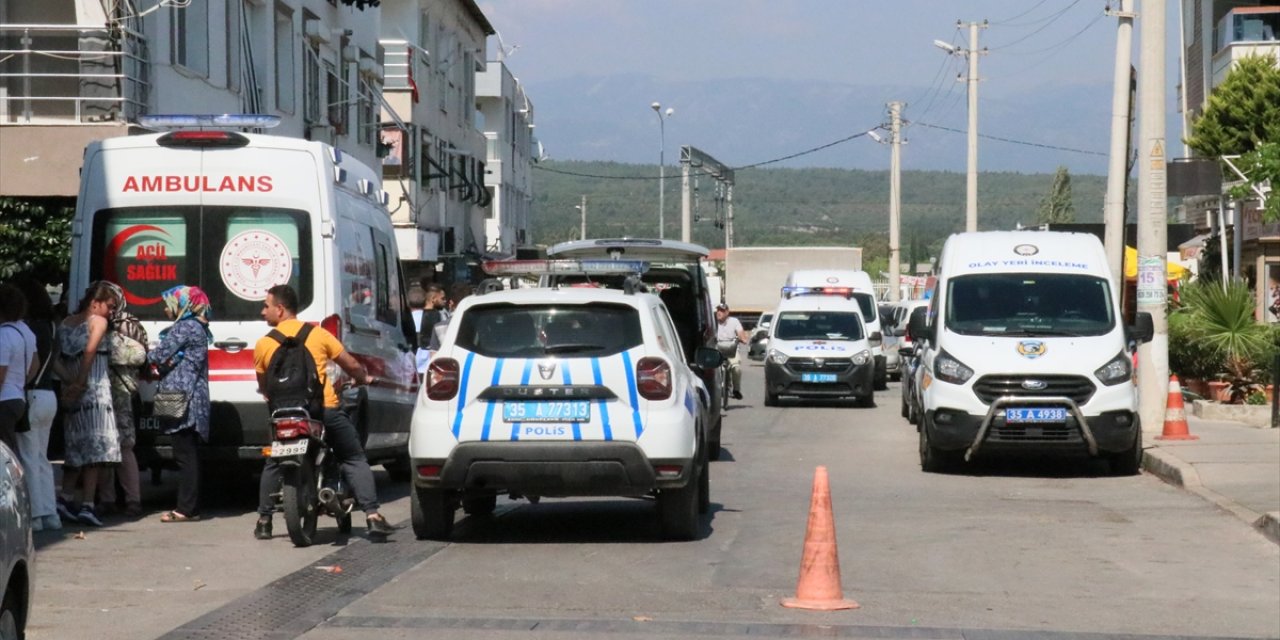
(234, 41)
(818, 325)
(311, 87)
(387, 299)
(285, 100)
(366, 115)
(189, 38)
(149, 249)
(1029, 304)
(526, 331)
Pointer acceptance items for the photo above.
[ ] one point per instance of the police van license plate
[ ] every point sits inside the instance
(1046, 414)
(553, 411)
(286, 449)
(817, 377)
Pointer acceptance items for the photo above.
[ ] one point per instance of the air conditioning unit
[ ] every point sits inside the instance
(316, 32)
(370, 69)
(350, 53)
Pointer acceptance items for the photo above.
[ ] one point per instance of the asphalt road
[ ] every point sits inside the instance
(1040, 548)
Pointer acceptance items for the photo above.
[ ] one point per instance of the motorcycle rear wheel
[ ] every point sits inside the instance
(300, 502)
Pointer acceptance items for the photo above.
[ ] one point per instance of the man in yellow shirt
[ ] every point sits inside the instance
(280, 310)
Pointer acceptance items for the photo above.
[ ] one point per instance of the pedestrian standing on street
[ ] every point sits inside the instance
(280, 310)
(729, 334)
(183, 360)
(128, 354)
(42, 406)
(18, 362)
(434, 312)
(92, 442)
(457, 294)
(417, 308)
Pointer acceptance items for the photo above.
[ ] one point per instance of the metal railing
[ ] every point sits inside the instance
(69, 74)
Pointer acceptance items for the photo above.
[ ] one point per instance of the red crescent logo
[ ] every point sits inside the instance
(113, 250)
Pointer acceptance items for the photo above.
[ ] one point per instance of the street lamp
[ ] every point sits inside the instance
(662, 159)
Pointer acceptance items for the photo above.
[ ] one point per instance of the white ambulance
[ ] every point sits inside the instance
(1026, 350)
(235, 214)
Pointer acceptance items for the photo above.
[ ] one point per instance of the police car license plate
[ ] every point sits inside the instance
(817, 377)
(553, 411)
(286, 449)
(1048, 414)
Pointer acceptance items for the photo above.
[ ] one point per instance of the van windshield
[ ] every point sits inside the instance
(234, 253)
(1029, 304)
(867, 303)
(817, 325)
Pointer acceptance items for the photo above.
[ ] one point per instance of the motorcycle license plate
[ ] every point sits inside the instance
(1049, 414)
(286, 449)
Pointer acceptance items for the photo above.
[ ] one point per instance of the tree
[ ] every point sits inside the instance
(1243, 112)
(1262, 167)
(35, 235)
(1057, 206)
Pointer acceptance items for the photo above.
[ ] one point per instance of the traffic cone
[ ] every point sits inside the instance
(819, 584)
(1175, 415)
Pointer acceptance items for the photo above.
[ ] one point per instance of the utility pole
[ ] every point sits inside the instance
(1118, 162)
(728, 218)
(583, 209)
(971, 203)
(1153, 219)
(895, 199)
(686, 204)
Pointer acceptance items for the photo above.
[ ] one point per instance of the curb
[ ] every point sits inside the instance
(1173, 470)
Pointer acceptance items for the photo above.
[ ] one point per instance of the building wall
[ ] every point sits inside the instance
(509, 119)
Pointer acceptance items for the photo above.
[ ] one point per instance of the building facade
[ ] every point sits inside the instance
(512, 150)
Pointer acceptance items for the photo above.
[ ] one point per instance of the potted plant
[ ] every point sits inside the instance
(1220, 321)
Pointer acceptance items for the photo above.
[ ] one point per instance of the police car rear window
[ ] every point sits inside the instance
(536, 331)
(234, 253)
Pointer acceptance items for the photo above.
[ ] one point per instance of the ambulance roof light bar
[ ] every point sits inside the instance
(565, 267)
(162, 122)
(792, 292)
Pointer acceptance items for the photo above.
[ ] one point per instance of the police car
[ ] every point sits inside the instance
(819, 348)
(559, 392)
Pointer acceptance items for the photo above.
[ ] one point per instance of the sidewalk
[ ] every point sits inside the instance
(1232, 465)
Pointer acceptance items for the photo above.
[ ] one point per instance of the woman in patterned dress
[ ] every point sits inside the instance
(183, 359)
(92, 441)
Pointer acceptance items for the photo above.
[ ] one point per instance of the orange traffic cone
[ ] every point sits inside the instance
(1175, 415)
(819, 585)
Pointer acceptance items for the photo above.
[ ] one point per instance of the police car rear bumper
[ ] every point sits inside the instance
(552, 469)
(857, 381)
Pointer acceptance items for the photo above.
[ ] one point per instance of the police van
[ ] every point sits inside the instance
(819, 348)
(1026, 350)
(561, 391)
(235, 214)
(863, 291)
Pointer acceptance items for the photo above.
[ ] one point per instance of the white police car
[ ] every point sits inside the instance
(819, 348)
(559, 392)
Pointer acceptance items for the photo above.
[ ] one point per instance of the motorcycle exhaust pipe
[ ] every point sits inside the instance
(329, 498)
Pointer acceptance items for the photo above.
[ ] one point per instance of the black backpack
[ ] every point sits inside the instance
(292, 380)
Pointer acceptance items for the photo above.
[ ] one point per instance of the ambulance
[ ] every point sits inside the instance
(202, 203)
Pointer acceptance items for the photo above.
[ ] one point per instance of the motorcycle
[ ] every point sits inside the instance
(312, 481)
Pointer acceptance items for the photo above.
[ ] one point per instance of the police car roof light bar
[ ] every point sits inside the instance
(160, 122)
(791, 292)
(565, 267)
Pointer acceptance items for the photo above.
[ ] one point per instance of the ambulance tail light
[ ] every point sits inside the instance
(653, 378)
(442, 379)
(333, 324)
(202, 139)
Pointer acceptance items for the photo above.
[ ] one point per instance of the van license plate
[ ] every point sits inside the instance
(287, 449)
(1047, 414)
(817, 377)
(552, 411)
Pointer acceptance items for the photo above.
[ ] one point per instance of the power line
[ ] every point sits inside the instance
(1062, 43)
(1052, 19)
(1006, 21)
(1012, 141)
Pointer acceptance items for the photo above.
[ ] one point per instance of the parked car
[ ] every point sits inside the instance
(889, 343)
(17, 550)
(909, 351)
(759, 343)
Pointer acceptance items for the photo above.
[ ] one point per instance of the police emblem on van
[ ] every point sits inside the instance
(1026, 249)
(1031, 349)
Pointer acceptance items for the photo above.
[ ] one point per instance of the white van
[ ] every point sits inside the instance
(819, 348)
(237, 213)
(835, 282)
(1027, 350)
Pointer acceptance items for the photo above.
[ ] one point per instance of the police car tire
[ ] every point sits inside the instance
(481, 505)
(704, 488)
(431, 513)
(770, 399)
(866, 402)
(678, 510)
(713, 446)
(906, 411)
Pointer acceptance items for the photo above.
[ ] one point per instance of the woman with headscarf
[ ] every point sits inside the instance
(90, 425)
(183, 360)
(128, 342)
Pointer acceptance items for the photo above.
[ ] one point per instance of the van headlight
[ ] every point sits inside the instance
(777, 357)
(1115, 371)
(948, 369)
(862, 357)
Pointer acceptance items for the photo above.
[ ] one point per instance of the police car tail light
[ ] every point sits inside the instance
(653, 378)
(333, 324)
(442, 379)
(202, 139)
(429, 470)
(668, 470)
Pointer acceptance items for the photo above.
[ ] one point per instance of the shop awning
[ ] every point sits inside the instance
(1174, 270)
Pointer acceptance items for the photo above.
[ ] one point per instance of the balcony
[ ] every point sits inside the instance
(1243, 32)
(71, 75)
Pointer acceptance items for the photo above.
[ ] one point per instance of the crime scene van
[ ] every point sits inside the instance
(1027, 351)
(235, 214)
(818, 348)
(836, 282)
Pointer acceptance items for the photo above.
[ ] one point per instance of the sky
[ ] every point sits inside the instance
(1036, 48)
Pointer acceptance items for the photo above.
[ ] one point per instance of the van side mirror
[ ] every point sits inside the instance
(875, 339)
(1143, 328)
(707, 358)
(919, 328)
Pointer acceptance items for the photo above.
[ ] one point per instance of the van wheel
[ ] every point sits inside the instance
(431, 511)
(933, 459)
(481, 505)
(678, 510)
(770, 399)
(1129, 461)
